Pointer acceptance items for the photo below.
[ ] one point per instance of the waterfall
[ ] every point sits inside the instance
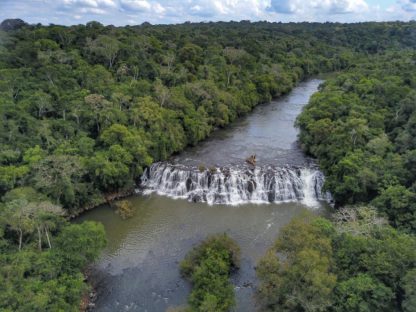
(236, 185)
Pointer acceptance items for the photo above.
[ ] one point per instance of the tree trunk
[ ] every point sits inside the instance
(20, 239)
(40, 238)
(228, 78)
(47, 237)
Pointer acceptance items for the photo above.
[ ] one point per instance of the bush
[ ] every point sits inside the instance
(208, 267)
(124, 209)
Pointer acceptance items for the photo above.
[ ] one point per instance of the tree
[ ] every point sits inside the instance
(161, 92)
(45, 216)
(99, 105)
(59, 177)
(296, 275)
(364, 294)
(191, 56)
(18, 216)
(41, 103)
(105, 46)
(79, 244)
(409, 287)
(33, 280)
(110, 169)
(398, 203)
(366, 246)
(363, 221)
(236, 58)
(10, 176)
(26, 218)
(133, 142)
(208, 267)
(124, 209)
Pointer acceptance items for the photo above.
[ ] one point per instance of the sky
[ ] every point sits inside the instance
(133, 12)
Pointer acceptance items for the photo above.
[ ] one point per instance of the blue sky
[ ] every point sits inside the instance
(123, 12)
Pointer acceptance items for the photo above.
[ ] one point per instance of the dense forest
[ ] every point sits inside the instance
(355, 263)
(85, 108)
(361, 126)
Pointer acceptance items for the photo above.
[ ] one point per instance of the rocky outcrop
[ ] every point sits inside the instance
(251, 160)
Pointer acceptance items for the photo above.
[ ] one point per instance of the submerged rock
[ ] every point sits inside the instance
(251, 160)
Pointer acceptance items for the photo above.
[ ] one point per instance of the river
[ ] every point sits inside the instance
(179, 204)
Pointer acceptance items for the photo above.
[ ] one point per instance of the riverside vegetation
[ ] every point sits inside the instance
(356, 263)
(361, 128)
(208, 267)
(85, 108)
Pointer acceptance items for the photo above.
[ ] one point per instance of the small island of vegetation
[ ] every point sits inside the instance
(208, 267)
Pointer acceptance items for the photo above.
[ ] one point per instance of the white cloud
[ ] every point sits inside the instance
(233, 9)
(408, 5)
(135, 5)
(246, 7)
(341, 6)
(158, 8)
(92, 11)
(403, 10)
(318, 6)
(150, 8)
(206, 8)
(86, 7)
(90, 3)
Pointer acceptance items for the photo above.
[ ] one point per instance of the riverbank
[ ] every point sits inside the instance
(106, 199)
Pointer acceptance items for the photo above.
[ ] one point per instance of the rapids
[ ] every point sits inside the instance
(236, 185)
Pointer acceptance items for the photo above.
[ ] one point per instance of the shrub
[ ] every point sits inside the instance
(208, 267)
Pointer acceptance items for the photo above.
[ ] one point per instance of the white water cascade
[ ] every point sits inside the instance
(236, 185)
